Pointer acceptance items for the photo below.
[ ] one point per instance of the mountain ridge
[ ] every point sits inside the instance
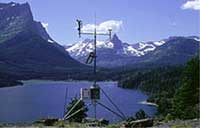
(125, 53)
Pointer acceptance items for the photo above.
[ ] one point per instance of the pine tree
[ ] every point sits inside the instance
(186, 99)
(78, 117)
(140, 115)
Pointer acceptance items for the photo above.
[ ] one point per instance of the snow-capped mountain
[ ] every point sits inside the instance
(117, 53)
(83, 48)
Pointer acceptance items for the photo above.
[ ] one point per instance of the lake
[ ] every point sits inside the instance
(46, 99)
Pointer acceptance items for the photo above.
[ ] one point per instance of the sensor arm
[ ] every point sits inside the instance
(80, 25)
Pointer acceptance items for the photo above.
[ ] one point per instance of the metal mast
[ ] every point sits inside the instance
(93, 55)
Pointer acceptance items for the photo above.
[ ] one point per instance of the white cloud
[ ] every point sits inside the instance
(192, 4)
(45, 25)
(104, 26)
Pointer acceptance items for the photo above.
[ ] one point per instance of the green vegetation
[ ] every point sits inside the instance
(174, 89)
(138, 116)
(186, 100)
(159, 83)
(80, 115)
(141, 115)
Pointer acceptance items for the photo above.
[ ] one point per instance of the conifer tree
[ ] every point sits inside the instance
(78, 117)
(186, 99)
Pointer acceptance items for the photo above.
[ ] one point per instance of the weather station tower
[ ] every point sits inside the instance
(93, 93)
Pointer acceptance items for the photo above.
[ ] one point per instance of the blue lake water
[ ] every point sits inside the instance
(42, 99)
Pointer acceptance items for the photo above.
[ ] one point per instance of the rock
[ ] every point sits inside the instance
(192, 123)
(47, 122)
(138, 123)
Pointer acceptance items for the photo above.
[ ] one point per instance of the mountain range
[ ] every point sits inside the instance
(115, 53)
(26, 49)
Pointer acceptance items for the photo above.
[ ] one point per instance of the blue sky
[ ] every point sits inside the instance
(133, 20)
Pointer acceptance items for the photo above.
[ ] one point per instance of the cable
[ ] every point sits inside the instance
(77, 111)
(110, 110)
(113, 103)
(72, 108)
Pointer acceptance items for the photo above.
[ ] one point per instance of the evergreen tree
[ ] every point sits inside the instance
(78, 117)
(186, 99)
(140, 115)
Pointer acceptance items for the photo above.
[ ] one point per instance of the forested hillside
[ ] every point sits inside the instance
(174, 89)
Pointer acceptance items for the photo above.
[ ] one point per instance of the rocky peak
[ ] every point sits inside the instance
(116, 42)
(15, 10)
(16, 18)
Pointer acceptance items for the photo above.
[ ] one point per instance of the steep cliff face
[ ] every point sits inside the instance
(14, 18)
(25, 45)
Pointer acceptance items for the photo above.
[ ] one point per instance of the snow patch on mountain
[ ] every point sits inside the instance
(45, 25)
(129, 50)
(79, 49)
(152, 48)
(159, 43)
(105, 44)
(142, 45)
(83, 48)
(197, 39)
(50, 41)
(13, 4)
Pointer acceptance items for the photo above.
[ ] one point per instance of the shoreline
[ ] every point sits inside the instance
(148, 103)
(21, 82)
